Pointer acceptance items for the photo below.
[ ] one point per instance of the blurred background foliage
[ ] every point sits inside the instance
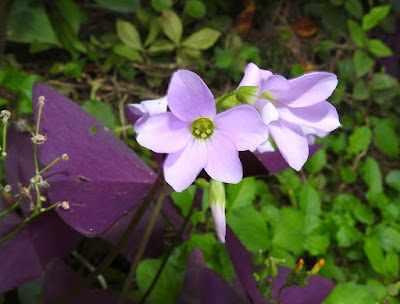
(343, 206)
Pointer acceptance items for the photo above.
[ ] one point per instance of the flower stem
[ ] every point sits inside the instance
(116, 249)
(143, 244)
(48, 166)
(36, 133)
(166, 256)
(4, 147)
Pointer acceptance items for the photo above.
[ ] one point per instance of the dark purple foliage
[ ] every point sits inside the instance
(59, 279)
(103, 179)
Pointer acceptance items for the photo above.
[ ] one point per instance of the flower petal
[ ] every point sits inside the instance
(189, 97)
(223, 163)
(291, 142)
(253, 76)
(137, 109)
(164, 133)
(267, 110)
(243, 126)
(265, 147)
(218, 213)
(322, 116)
(310, 89)
(181, 168)
(276, 85)
(155, 106)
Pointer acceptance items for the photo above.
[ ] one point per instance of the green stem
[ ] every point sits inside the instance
(116, 249)
(48, 166)
(280, 291)
(143, 245)
(4, 141)
(35, 144)
(15, 204)
(166, 256)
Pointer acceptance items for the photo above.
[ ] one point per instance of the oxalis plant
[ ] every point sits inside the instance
(72, 178)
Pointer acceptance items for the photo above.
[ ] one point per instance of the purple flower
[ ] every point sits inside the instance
(196, 137)
(288, 105)
(147, 108)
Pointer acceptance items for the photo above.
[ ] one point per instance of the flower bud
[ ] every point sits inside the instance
(247, 94)
(317, 267)
(217, 204)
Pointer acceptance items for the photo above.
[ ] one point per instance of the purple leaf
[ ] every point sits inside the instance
(317, 290)
(19, 260)
(156, 238)
(202, 285)
(59, 279)
(242, 262)
(103, 179)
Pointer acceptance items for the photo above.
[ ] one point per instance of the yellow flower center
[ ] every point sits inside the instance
(202, 128)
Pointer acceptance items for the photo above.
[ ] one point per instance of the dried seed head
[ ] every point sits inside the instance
(7, 188)
(64, 205)
(38, 139)
(64, 157)
(39, 181)
(43, 198)
(5, 116)
(24, 192)
(41, 101)
(22, 125)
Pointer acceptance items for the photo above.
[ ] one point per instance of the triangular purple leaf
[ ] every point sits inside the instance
(202, 285)
(103, 179)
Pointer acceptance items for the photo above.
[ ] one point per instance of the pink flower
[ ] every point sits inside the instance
(287, 106)
(196, 137)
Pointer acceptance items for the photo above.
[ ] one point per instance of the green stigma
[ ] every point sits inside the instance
(202, 128)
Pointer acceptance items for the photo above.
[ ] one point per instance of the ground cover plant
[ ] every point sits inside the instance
(199, 151)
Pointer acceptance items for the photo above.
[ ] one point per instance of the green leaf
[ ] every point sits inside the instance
(386, 139)
(388, 237)
(378, 48)
(250, 227)
(202, 39)
(224, 58)
(350, 293)
(359, 140)
(356, 32)
(392, 261)
(122, 6)
(288, 231)
(184, 199)
(160, 5)
(345, 68)
(309, 201)
(168, 284)
(171, 25)
(394, 289)
(102, 112)
(126, 51)
(354, 8)
(362, 63)
(364, 214)
(347, 236)
(393, 179)
(39, 29)
(195, 8)
(317, 162)
(161, 46)
(31, 292)
(375, 256)
(382, 81)
(129, 35)
(372, 176)
(72, 13)
(360, 90)
(376, 14)
(241, 194)
(154, 30)
(347, 175)
(317, 244)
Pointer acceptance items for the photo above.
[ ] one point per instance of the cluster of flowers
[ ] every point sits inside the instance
(196, 137)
